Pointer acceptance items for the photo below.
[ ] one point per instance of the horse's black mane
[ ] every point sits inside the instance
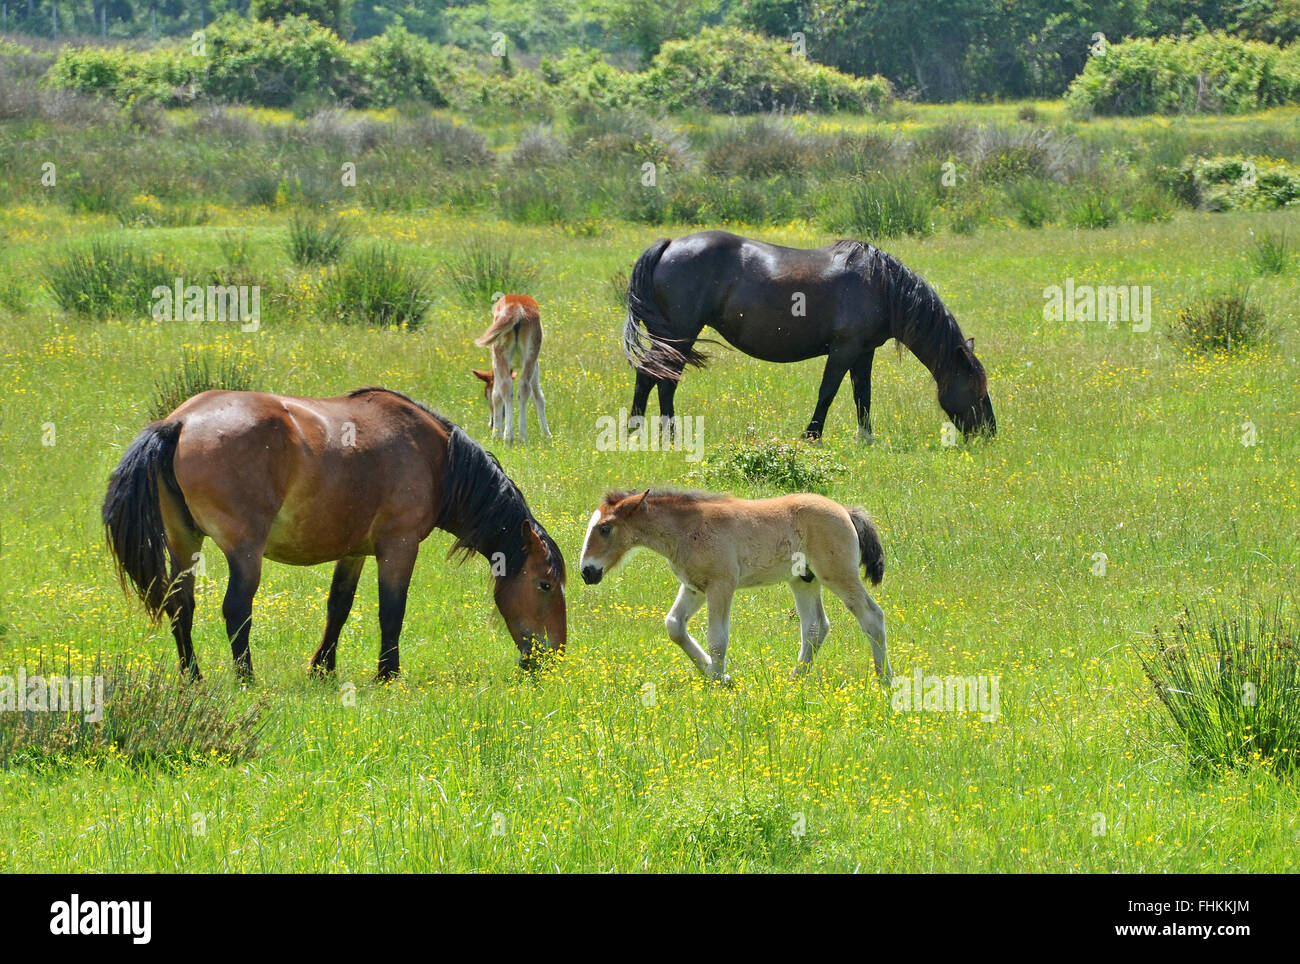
(918, 317)
(480, 500)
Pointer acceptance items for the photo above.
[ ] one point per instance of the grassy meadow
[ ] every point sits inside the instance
(1110, 441)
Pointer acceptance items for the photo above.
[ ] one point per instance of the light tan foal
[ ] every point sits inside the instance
(515, 337)
(717, 544)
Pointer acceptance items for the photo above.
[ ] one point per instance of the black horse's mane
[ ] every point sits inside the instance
(480, 500)
(918, 318)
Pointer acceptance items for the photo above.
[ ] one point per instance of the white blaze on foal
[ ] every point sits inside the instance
(717, 544)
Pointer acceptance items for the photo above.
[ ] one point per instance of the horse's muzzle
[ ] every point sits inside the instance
(592, 574)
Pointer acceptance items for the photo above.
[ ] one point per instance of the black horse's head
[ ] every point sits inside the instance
(964, 394)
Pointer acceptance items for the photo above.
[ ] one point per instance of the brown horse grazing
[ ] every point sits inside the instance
(311, 480)
(789, 304)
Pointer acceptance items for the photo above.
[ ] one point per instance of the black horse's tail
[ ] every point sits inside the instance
(647, 336)
(872, 552)
(133, 512)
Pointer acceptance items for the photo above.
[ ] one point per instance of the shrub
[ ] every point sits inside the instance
(311, 242)
(1177, 75)
(729, 71)
(376, 286)
(1231, 182)
(151, 719)
(1032, 201)
(398, 66)
(1225, 322)
(274, 64)
(197, 373)
(618, 281)
(106, 278)
(776, 463)
(759, 148)
(1230, 686)
(1093, 210)
(483, 268)
(883, 206)
(1270, 252)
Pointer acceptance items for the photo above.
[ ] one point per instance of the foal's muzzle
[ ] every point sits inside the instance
(592, 574)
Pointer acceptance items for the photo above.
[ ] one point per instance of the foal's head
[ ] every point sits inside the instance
(532, 599)
(964, 394)
(611, 533)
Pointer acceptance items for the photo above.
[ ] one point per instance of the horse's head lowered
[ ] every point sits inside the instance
(532, 599)
(964, 394)
(610, 534)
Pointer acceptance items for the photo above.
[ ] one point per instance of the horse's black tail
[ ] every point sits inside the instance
(133, 512)
(872, 552)
(647, 335)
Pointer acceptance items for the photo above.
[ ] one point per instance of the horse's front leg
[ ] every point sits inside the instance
(860, 374)
(343, 589)
(719, 599)
(396, 561)
(832, 376)
(688, 603)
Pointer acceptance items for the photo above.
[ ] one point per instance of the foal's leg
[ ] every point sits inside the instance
(503, 394)
(245, 576)
(870, 617)
(832, 376)
(813, 624)
(539, 401)
(343, 589)
(860, 374)
(688, 603)
(396, 562)
(719, 598)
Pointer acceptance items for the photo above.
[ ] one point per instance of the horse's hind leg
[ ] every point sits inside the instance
(719, 598)
(343, 589)
(667, 414)
(245, 576)
(813, 624)
(183, 547)
(870, 617)
(539, 401)
(640, 396)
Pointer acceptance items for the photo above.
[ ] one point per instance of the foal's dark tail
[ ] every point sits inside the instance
(133, 512)
(648, 338)
(873, 553)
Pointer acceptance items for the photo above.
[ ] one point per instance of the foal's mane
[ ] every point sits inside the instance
(480, 499)
(918, 318)
(680, 495)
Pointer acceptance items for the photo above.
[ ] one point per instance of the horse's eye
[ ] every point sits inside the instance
(544, 586)
(604, 530)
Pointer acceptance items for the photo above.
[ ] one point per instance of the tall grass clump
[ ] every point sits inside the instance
(1230, 686)
(484, 268)
(376, 286)
(311, 242)
(772, 463)
(1221, 321)
(1270, 253)
(197, 373)
(106, 278)
(884, 206)
(151, 719)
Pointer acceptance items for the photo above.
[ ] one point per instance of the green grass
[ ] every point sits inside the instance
(1110, 441)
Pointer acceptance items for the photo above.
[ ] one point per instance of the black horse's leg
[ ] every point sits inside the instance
(860, 374)
(396, 562)
(832, 376)
(640, 396)
(343, 589)
(667, 423)
(237, 607)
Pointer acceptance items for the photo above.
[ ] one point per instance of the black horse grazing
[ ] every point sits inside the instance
(789, 304)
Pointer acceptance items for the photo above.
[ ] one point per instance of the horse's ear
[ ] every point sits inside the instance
(483, 376)
(640, 503)
(970, 343)
(531, 539)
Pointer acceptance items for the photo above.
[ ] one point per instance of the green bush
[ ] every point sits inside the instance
(398, 66)
(1230, 685)
(1232, 182)
(1211, 73)
(197, 373)
(883, 206)
(729, 71)
(1221, 322)
(312, 242)
(772, 462)
(376, 286)
(484, 268)
(1271, 253)
(106, 278)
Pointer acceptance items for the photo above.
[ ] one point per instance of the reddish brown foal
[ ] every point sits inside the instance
(310, 480)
